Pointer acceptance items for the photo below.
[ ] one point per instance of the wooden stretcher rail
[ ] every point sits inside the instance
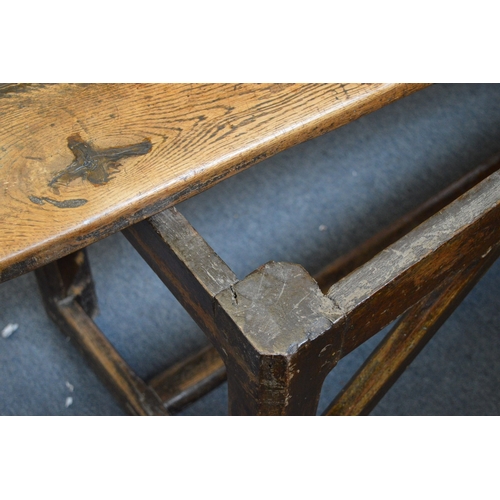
(403, 343)
(80, 162)
(405, 272)
(189, 379)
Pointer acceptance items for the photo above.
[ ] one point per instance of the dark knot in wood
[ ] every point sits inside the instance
(95, 165)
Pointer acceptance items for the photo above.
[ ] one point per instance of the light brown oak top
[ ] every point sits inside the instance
(137, 149)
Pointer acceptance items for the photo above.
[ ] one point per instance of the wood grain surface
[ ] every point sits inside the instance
(80, 162)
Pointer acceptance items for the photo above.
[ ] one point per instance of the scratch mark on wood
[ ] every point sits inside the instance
(281, 293)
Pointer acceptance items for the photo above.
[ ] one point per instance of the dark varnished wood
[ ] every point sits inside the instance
(189, 379)
(345, 264)
(183, 380)
(197, 134)
(403, 343)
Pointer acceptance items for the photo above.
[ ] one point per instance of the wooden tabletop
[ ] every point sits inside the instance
(80, 162)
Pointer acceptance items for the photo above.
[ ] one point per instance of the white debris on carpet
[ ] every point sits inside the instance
(9, 330)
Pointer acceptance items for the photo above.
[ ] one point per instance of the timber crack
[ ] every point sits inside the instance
(337, 305)
(234, 297)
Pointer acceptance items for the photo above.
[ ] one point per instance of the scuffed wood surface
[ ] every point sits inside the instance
(399, 276)
(199, 134)
(282, 335)
(278, 308)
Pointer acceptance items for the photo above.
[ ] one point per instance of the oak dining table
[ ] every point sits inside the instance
(80, 162)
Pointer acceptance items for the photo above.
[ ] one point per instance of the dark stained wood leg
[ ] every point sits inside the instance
(68, 278)
(187, 265)
(69, 297)
(403, 343)
(278, 386)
